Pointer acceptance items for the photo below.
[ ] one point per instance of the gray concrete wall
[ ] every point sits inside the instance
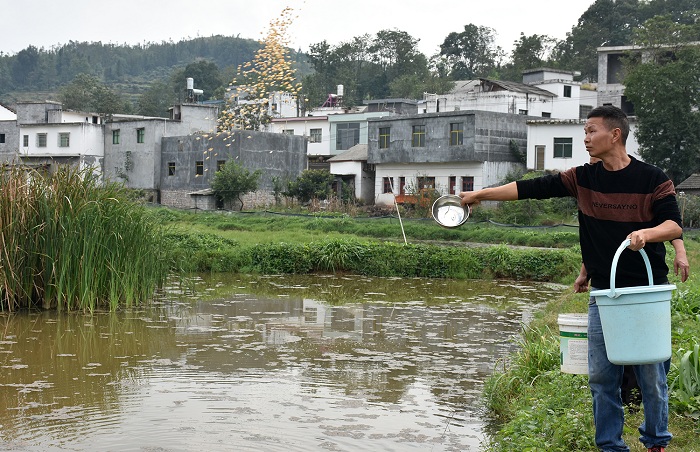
(277, 155)
(35, 112)
(487, 137)
(137, 165)
(9, 149)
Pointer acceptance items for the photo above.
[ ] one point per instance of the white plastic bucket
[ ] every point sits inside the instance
(573, 343)
(636, 320)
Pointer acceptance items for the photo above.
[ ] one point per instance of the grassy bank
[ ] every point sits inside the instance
(536, 407)
(271, 243)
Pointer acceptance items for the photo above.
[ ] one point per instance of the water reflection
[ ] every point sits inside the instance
(263, 363)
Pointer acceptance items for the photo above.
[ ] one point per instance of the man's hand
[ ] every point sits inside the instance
(680, 265)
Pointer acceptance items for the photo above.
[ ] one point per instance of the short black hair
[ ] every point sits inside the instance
(614, 118)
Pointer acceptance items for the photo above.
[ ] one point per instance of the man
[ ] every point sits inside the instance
(619, 198)
(630, 391)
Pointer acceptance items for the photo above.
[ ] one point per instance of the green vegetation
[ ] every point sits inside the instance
(311, 184)
(232, 181)
(534, 406)
(68, 243)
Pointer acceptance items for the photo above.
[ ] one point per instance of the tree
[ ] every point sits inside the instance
(311, 184)
(666, 96)
(233, 181)
(206, 75)
(269, 72)
(156, 100)
(529, 52)
(471, 53)
(87, 93)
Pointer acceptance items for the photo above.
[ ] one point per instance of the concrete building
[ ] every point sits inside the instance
(352, 169)
(449, 152)
(188, 164)
(50, 136)
(328, 135)
(316, 129)
(133, 143)
(9, 134)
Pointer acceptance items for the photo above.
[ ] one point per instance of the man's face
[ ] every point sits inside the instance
(599, 138)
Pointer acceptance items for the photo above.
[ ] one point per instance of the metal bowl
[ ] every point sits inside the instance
(449, 212)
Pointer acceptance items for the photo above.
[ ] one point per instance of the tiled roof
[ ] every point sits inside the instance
(691, 183)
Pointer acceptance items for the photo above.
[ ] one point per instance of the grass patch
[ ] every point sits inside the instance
(70, 243)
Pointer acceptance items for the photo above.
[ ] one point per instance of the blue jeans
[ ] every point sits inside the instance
(605, 379)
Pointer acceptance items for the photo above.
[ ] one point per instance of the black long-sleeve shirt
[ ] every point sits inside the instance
(612, 204)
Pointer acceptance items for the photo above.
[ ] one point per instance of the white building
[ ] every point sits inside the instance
(315, 128)
(547, 93)
(59, 137)
(558, 144)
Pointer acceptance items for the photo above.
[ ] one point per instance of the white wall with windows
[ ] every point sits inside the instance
(61, 140)
(548, 148)
(315, 128)
(446, 178)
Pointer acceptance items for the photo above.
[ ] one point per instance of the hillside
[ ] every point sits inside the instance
(38, 74)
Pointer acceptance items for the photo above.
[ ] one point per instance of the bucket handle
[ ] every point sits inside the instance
(619, 251)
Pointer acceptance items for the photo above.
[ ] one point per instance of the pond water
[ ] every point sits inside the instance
(243, 363)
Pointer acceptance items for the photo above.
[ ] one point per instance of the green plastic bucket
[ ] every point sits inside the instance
(636, 321)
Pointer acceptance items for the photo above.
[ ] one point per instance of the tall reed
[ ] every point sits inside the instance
(68, 242)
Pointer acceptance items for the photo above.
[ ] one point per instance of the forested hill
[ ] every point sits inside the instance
(130, 68)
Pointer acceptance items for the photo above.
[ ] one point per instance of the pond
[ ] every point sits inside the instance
(276, 363)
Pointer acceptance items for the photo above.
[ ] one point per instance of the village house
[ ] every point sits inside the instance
(49, 136)
(133, 144)
(448, 152)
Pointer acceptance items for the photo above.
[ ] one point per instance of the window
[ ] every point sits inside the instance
(567, 91)
(63, 139)
(25, 141)
(199, 167)
(220, 164)
(388, 182)
(141, 135)
(2, 137)
(546, 114)
(115, 136)
(171, 168)
(453, 185)
(41, 140)
(418, 137)
(563, 148)
(315, 136)
(347, 135)
(288, 131)
(583, 111)
(456, 134)
(384, 137)
(402, 185)
(522, 112)
(467, 183)
(425, 182)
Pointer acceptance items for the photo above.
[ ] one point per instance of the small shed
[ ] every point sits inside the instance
(690, 186)
(352, 169)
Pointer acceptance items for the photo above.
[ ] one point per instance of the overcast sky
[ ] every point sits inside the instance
(48, 23)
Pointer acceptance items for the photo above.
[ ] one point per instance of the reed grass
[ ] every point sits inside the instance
(68, 242)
